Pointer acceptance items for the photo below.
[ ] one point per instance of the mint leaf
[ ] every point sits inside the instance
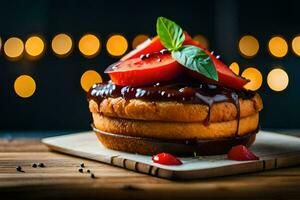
(170, 34)
(197, 60)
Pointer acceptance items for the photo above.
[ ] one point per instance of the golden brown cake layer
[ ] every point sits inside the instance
(174, 111)
(176, 130)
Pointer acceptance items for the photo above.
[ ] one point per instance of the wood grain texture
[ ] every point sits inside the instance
(21, 145)
(275, 151)
(61, 179)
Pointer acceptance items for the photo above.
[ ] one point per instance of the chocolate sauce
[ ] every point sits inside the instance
(185, 91)
(236, 102)
(183, 147)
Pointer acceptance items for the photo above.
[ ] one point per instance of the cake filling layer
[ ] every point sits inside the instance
(178, 90)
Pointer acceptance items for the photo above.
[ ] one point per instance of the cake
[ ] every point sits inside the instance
(154, 104)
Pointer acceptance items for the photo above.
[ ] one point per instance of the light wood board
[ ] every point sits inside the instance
(274, 150)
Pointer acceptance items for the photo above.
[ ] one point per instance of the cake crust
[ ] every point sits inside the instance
(176, 130)
(137, 109)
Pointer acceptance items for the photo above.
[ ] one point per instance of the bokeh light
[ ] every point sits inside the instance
(24, 86)
(62, 44)
(235, 68)
(116, 45)
(296, 45)
(248, 46)
(278, 47)
(202, 39)
(0, 43)
(89, 45)
(139, 39)
(34, 46)
(13, 48)
(255, 78)
(278, 79)
(89, 78)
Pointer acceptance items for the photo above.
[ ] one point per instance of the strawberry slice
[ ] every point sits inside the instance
(150, 46)
(241, 153)
(226, 76)
(166, 159)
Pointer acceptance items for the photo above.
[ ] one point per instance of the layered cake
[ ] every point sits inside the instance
(160, 99)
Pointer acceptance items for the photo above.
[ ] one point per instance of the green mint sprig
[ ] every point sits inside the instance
(170, 34)
(172, 37)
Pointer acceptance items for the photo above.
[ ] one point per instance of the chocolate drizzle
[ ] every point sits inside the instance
(235, 98)
(185, 91)
(184, 147)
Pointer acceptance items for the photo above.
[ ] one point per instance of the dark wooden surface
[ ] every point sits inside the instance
(61, 179)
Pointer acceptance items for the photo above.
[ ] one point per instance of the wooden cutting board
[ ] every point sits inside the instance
(275, 151)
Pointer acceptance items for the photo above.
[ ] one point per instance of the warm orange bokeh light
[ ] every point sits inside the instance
(255, 78)
(235, 68)
(34, 46)
(116, 45)
(278, 79)
(278, 47)
(13, 48)
(248, 46)
(24, 86)
(89, 78)
(138, 40)
(89, 45)
(62, 44)
(296, 45)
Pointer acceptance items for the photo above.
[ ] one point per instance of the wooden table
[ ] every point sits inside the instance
(61, 179)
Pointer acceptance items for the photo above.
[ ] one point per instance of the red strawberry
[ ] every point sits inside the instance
(166, 159)
(241, 153)
(226, 76)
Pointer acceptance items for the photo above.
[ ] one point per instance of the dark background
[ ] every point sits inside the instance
(59, 102)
